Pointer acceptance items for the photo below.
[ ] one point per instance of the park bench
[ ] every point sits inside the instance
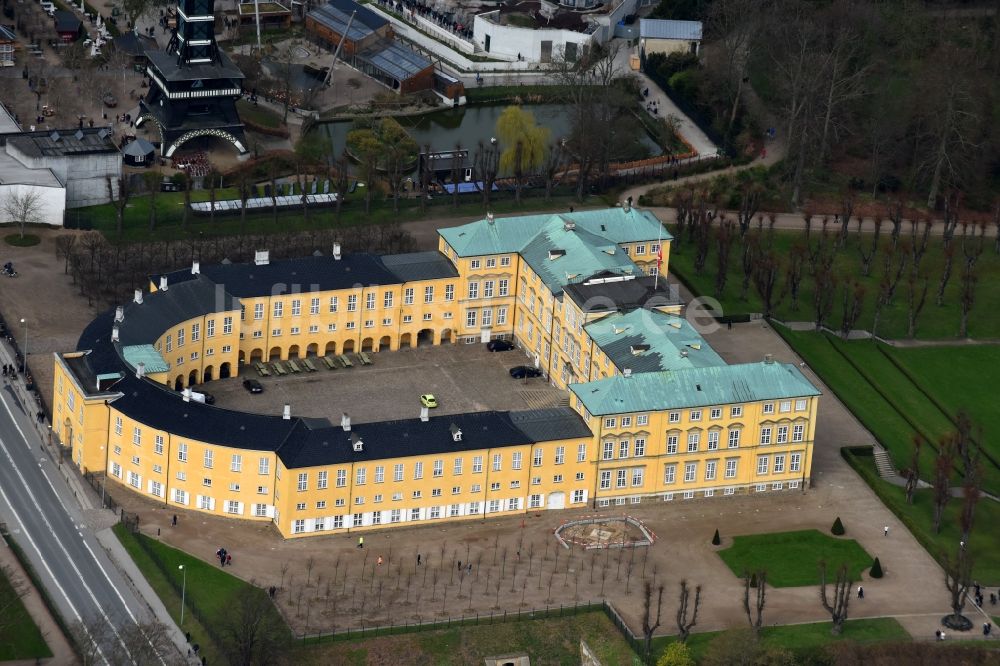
(365, 358)
(344, 361)
(280, 371)
(308, 365)
(293, 366)
(330, 363)
(262, 369)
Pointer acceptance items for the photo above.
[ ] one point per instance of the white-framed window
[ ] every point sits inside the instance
(456, 490)
(609, 422)
(341, 478)
(322, 480)
(560, 455)
(370, 300)
(731, 464)
(579, 496)
(397, 472)
(621, 478)
(473, 289)
(605, 479)
(418, 470)
(798, 432)
(608, 451)
(690, 471)
(182, 452)
(734, 438)
(534, 501)
(710, 468)
(670, 473)
(358, 519)
(263, 465)
(470, 318)
(209, 458)
(158, 444)
(379, 474)
(278, 309)
(360, 476)
(693, 440)
(782, 437)
(762, 464)
(672, 443)
(800, 405)
(795, 462)
(457, 467)
(638, 476)
(581, 452)
(623, 447)
(715, 413)
(785, 406)
(477, 464)
(642, 420)
(303, 482)
(515, 460)
(713, 440)
(236, 464)
(352, 302)
(296, 307)
(765, 435)
(438, 468)
(779, 464)
(449, 294)
(497, 462)
(694, 415)
(768, 408)
(736, 411)
(137, 436)
(536, 457)
(387, 300)
(298, 526)
(232, 506)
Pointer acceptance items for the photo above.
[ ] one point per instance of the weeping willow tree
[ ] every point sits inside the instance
(524, 145)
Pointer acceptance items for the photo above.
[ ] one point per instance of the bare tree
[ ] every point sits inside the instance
(120, 202)
(64, 249)
(854, 298)
(869, 255)
(487, 162)
(766, 275)
(957, 580)
(684, 625)
(252, 630)
(943, 466)
(724, 240)
(24, 207)
(841, 596)
(755, 616)
(649, 625)
(913, 473)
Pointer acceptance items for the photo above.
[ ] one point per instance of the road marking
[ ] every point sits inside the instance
(45, 520)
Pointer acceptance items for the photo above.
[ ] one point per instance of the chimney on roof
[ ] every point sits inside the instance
(356, 442)
(345, 422)
(490, 218)
(424, 414)
(195, 268)
(261, 258)
(456, 433)
(684, 353)
(114, 334)
(138, 296)
(286, 412)
(119, 313)
(336, 251)
(627, 372)
(569, 225)
(627, 205)
(769, 359)
(163, 283)
(140, 370)
(187, 394)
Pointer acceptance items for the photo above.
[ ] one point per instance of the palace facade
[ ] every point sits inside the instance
(653, 414)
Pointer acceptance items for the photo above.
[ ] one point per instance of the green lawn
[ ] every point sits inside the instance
(210, 590)
(20, 637)
(803, 638)
(169, 207)
(260, 115)
(553, 640)
(792, 559)
(934, 322)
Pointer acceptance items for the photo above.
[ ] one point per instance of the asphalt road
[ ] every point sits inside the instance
(43, 516)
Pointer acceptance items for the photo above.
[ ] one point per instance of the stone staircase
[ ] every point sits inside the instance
(883, 463)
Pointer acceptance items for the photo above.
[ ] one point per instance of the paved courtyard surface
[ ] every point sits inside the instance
(463, 378)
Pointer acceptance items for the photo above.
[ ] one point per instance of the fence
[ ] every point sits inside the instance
(99, 484)
(476, 619)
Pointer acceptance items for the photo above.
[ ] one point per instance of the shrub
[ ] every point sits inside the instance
(876, 570)
(838, 528)
(715, 539)
(676, 654)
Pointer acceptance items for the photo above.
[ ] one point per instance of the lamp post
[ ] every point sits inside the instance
(183, 590)
(25, 322)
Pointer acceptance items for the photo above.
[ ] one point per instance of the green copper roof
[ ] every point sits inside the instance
(135, 354)
(512, 234)
(562, 256)
(672, 342)
(694, 387)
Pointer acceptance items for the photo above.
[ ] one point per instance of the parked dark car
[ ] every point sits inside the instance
(524, 372)
(499, 345)
(253, 386)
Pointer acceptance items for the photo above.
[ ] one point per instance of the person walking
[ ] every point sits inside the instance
(885, 531)
(361, 542)
(229, 559)
(861, 592)
(380, 560)
(418, 559)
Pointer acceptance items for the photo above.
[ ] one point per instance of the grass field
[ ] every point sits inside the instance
(803, 638)
(169, 207)
(258, 114)
(548, 641)
(792, 559)
(20, 637)
(210, 590)
(934, 322)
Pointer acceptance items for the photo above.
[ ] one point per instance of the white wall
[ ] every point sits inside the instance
(85, 175)
(509, 41)
(53, 202)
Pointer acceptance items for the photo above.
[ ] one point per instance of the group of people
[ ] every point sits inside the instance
(447, 20)
(9, 371)
(224, 557)
(195, 164)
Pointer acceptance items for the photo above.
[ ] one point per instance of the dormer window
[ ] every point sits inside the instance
(356, 442)
(456, 433)
(639, 349)
(556, 253)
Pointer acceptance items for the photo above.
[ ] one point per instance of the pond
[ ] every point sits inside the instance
(469, 125)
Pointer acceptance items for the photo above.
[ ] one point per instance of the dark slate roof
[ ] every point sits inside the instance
(161, 310)
(133, 44)
(543, 425)
(166, 65)
(139, 147)
(288, 276)
(643, 291)
(414, 266)
(308, 447)
(66, 21)
(58, 143)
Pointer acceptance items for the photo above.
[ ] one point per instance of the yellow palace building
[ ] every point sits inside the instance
(654, 413)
